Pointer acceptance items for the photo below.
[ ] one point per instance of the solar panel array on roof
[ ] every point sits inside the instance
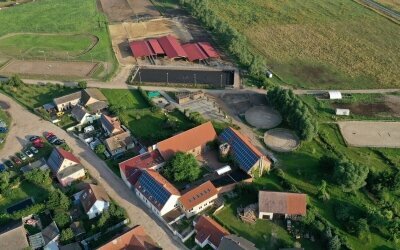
(153, 190)
(241, 152)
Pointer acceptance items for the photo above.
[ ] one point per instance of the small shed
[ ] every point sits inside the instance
(343, 112)
(223, 170)
(335, 95)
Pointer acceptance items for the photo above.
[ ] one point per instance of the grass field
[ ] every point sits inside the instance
(60, 18)
(392, 4)
(149, 126)
(319, 44)
(33, 96)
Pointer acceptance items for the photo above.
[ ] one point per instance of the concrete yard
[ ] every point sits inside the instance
(371, 134)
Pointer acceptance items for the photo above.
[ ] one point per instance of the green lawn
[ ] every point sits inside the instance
(24, 190)
(318, 44)
(149, 126)
(26, 46)
(61, 19)
(34, 96)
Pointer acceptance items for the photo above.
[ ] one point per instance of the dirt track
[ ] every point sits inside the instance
(371, 134)
(25, 124)
(50, 68)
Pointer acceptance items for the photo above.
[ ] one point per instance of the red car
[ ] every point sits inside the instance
(38, 144)
(16, 160)
(38, 140)
(48, 135)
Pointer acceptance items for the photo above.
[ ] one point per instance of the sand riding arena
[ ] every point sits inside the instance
(281, 140)
(263, 117)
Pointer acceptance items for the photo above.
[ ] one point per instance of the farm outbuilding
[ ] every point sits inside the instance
(343, 112)
(335, 95)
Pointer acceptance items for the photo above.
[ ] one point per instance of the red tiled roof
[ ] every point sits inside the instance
(198, 195)
(171, 47)
(140, 48)
(194, 52)
(134, 239)
(143, 161)
(282, 203)
(67, 155)
(187, 140)
(155, 46)
(208, 49)
(207, 228)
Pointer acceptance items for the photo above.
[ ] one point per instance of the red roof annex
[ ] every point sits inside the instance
(140, 49)
(194, 52)
(172, 47)
(155, 46)
(208, 49)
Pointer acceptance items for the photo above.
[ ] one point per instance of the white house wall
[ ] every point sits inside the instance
(97, 208)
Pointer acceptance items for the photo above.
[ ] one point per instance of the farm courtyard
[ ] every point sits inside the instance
(319, 44)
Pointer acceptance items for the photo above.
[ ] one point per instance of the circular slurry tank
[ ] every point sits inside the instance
(263, 117)
(281, 140)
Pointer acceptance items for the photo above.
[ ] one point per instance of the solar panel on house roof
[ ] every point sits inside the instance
(151, 188)
(241, 152)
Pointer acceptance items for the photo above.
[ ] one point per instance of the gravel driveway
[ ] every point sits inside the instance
(25, 124)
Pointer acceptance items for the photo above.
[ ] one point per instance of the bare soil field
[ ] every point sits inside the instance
(127, 10)
(263, 117)
(49, 68)
(240, 103)
(281, 140)
(389, 107)
(371, 134)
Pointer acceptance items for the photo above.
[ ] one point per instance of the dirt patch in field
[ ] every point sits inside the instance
(128, 10)
(49, 68)
(371, 134)
(389, 107)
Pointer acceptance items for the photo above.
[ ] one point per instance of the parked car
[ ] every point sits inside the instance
(8, 164)
(33, 138)
(3, 130)
(16, 160)
(48, 135)
(29, 153)
(2, 168)
(34, 150)
(21, 155)
(59, 142)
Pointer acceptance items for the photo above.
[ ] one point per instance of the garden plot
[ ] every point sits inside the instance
(371, 134)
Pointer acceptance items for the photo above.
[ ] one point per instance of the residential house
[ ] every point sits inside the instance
(51, 234)
(156, 192)
(111, 125)
(198, 199)
(208, 232)
(13, 235)
(68, 101)
(130, 168)
(249, 158)
(93, 100)
(40, 164)
(193, 141)
(135, 238)
(94, 200)
(65, 166)
(119, 143)
(82, 115)
(281, 203)
(234, 242)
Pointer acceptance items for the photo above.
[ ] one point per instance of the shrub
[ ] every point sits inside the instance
(58, 200)
(182, 167)
(38, 176)
(350, 176)
(82, 84)
(62, 219)
(66, 236)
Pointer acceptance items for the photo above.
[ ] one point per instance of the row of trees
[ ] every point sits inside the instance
(237, 44)
(297, 114)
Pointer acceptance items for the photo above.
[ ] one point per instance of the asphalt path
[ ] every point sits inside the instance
(25, 124)
(380, 8)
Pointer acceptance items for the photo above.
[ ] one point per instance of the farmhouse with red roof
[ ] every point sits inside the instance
(209, 232)
(287, 204)
(65, 166)
(198, 198)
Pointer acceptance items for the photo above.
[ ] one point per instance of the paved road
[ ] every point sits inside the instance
(380, 8)
(25, 124)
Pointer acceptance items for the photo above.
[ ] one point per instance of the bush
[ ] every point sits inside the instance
(62, 219)
(67, 236)
(350, 176)
(82, 84)
(100, 149)
(182, 167)
(334, 243)
(38, 176)
(58, 201)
